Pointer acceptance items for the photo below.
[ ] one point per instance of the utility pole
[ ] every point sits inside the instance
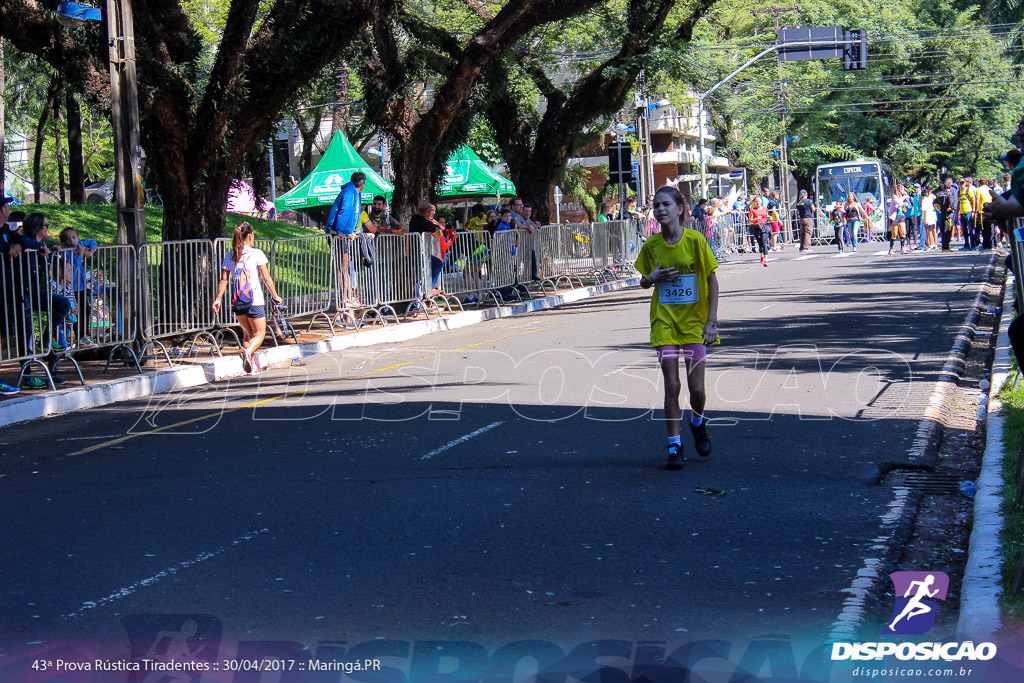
(783, 143)
(3, 130)
(128, 190)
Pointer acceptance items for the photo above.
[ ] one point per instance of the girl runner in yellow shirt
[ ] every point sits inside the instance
(684, 314)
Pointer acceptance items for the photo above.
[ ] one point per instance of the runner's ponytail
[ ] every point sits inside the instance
(238, 239)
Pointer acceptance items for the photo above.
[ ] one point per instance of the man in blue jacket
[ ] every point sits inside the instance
(344, 216)
(343, 222)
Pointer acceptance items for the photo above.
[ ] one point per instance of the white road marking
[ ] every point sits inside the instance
(806, 257)
(128, 590)
(635, 365)
(842, 254)
(881, 253)
(765, 308)
(461, 439)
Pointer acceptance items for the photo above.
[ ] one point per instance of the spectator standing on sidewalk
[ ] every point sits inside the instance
(805, 210)
(36, 230)
(897, 214)
(775, 215)
(383, 223)
(965, 213)
(945, 206)
(343, 224)
(869, 210)
(423, 221)
(982, 198)
(915, 230)
(9, 250)
(929, 219)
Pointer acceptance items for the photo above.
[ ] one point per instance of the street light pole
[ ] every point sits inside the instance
(702, 96)
(700, 146)
(128, 191)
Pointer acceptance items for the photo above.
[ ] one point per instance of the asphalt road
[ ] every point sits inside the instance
(497, 483)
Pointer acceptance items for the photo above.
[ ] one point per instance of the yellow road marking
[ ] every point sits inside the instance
(127, 437)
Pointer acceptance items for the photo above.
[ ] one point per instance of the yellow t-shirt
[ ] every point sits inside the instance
(363, 220)
(476, 226)
(967, 198)
(983, 197)
(682, 322)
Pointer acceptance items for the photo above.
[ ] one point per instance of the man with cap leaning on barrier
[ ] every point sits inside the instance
(342, 222)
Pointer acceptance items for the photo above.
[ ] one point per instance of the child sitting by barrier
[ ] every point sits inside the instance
(61, 288)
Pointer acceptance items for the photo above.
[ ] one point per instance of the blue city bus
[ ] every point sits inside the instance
(865, 178)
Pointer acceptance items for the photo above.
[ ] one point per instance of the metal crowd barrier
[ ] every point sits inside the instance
(466, 264)
(303, 277)
(179, 281)
(1017, 247)
(27, 327)
(163, 290)
(576, 250)
(624, 242)
(399, 275)
(731, 233)
(104, 287)
(480, 264)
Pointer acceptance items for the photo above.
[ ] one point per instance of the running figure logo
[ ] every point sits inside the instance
(914, 612)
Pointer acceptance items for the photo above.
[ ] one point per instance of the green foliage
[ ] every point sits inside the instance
(481, 141)
(941, 90)
(1011, 547)
(575, 188)
(99, 222)
(28, 81)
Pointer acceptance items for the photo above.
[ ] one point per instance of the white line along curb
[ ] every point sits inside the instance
(979, 597)
(23, 408)
(862, 587)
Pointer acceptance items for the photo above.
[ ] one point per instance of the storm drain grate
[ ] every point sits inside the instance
(927, 482)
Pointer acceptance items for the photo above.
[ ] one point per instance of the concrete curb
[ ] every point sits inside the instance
(979, 597)
(902, 508)
(25, 408)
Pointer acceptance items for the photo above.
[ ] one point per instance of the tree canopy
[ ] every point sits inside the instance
(531, 82)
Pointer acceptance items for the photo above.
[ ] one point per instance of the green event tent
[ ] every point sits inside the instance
(336, 167)
(466, 176)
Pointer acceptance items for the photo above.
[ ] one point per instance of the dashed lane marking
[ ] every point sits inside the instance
(461, 439)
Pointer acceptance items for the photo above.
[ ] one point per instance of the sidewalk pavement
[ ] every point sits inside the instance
(979, 597)
(100, 392)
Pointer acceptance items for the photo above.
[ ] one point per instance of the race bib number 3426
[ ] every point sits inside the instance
(682, 289)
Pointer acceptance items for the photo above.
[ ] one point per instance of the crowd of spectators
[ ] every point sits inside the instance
(40, 277)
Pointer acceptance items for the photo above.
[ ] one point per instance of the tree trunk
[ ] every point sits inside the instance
(37, 153)
(76, 162)
(192, 211)
(341, 82)
(412, 184)
(61, 185)
(308, 136)
(536, 158)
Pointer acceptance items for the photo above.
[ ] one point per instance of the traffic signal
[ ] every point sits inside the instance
(620, 162)
(855, 52)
